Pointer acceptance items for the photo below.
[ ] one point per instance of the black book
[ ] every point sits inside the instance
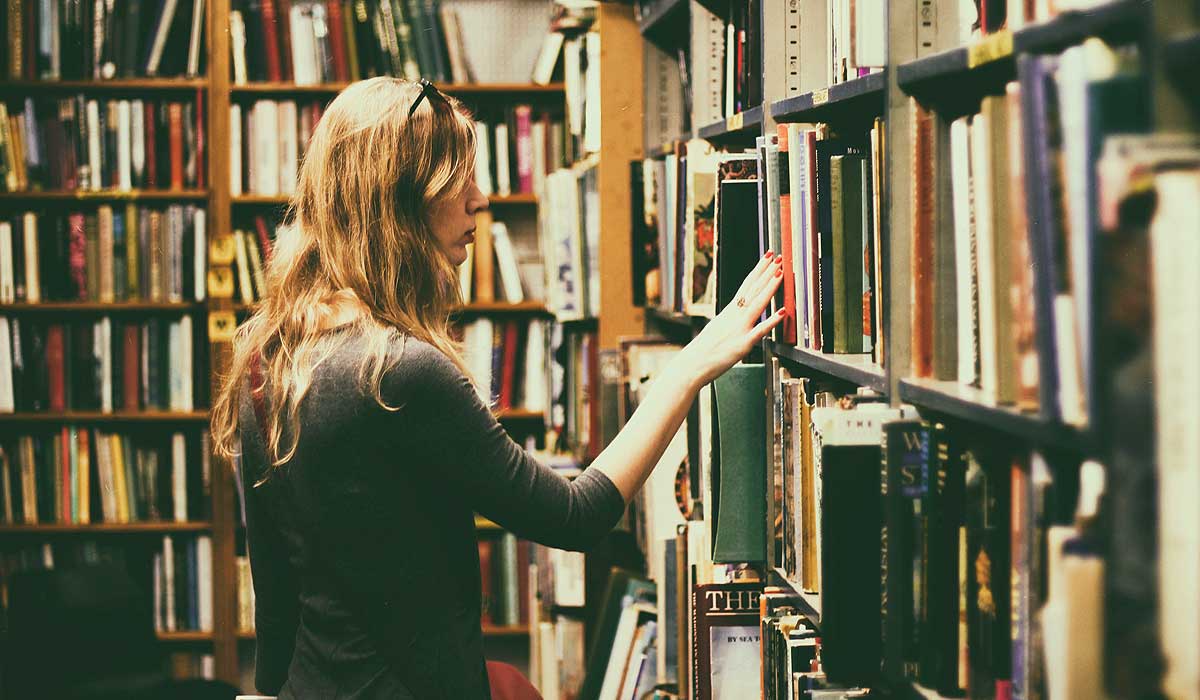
(904, 478)
(944, 508)
(130, 33)
(826, 149)
(361, 15)
(987, 522)
(36, 376)
(737, 252)
(642, 239)
(18, 257)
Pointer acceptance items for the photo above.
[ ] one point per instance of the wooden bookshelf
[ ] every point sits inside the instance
(192, 636)
(515, 199)
(505, 630)
(264, 89)
(96, 417)
(474, 308)
(144, 527)
(101, 307)
(129, 85)
(860, 370)
(107, 195)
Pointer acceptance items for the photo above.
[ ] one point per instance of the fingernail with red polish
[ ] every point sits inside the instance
(779, 272)
(768, 255)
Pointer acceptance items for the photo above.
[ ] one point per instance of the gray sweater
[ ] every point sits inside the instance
(363, 546)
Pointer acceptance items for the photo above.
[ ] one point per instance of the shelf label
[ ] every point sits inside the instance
(221, 250)
(734, 122)
(221, 326)
(993, 48)
(820, 97)
(220, 283)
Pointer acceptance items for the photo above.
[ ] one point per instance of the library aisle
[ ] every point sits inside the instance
(965, 464)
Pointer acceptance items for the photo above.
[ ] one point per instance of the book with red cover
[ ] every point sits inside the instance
(175, 131)
(524, 118)
(337, 40)
(284, 12)
(508, 364)
(725, 639)
(270, 38)
(56, 366)
(201, 178)
(785, 231)
(150, 119)
(487, 589)
(924, 219)
(76, 256)
(131, 366)
(264, 237)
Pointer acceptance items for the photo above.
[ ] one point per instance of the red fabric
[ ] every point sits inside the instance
(507, 683)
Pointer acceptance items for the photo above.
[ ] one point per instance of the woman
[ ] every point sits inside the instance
(365, 448)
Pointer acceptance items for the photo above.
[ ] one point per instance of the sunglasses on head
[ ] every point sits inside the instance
(427, 89)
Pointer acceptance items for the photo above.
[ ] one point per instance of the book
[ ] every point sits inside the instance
(727, 635)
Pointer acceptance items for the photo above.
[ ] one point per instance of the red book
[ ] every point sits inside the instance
(264, 236)
(131, 366)
(285, 39)
(924, 219)
(785, 230)
(200, 176)
(56, 367)
(485, 582)
(508, 365)
(270, 39)
(337, 40)
(733, 606)
(524, 115)
(64, 464)
(77, 256)
(175, 135)
(151, 118)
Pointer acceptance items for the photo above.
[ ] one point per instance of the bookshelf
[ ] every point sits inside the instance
(950, 78)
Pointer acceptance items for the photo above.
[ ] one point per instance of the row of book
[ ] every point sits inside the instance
(98, 40)
(251, 251)
(501, 265)
(814, 199)
(1007, 238)
(108, 254)
(105, 365)
(79, 476)
(556, 644)
(569, 221)
(183, 584)
(515, 155)
(504, 575)
(82, 143)
(268, 140)
(508, 360)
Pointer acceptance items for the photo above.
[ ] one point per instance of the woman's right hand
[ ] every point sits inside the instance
(729, 336)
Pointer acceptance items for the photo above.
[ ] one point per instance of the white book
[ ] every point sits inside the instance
(7, 400)
(727, 62)
(266, 147)
(237, 41)
(168, 583)
(573, 84)
(622, 645)
(124, 146)
(289, 164)
(506, 259)
(466, 273)
(547, 647)
(159, 42)
(204, 581)
(235, 150)
(200, 252)
(964, 251)
(304, 45)
(477, 341)
(179, 476)
(985, 254)
(208, 669)
(102, 348)
(537, 133)
(870, 42)
(137, 142)
(93, 144)
(543, 68)
(188, 400)
(483, 166)
(591, 104)
(536, 392)
(568, 570)
(193, 62)
(174, 361)
(8, 282)
(104, 473)
(33, 281)
(242, 260)
(503, 161)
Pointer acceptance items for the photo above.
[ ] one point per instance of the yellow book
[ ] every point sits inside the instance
(119, 482)
(83, 474)
(133, 284)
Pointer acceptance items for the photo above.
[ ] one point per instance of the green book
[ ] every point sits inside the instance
(739, 466)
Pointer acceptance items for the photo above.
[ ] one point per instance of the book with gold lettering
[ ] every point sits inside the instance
(725, 641)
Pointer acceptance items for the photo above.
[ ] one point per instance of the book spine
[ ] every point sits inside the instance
(525, 147)
(924, 220)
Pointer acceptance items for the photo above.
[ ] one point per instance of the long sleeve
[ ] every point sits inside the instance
(465, 445)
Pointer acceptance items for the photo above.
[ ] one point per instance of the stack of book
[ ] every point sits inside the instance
(98, 40)
(109, 254)
(507, 359)
(183, 577)
(79, 476)
(107, 365)
(84, 143)
(504, 575)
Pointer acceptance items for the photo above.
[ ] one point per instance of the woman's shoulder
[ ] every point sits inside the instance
(416, 365)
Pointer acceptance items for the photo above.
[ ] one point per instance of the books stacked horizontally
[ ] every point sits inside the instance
(80, 476)
(516, 154)
(1005, 278)
(99, 40)
(324, 41)
(109, 254)
(82, 143)
(507, 359)
(183, 576)
(504, 575)
(268, 140)
(106, 365)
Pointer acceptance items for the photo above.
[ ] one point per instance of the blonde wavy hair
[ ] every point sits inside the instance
(359, 233)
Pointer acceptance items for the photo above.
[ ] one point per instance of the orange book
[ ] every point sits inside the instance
(924, 219)
(56, 366)
(337, 40)
(83, 476)
(150, 120)
(508, 366)
(131, 366)
(270, 37)
(785, 234)
(485, 258)
(175, 136)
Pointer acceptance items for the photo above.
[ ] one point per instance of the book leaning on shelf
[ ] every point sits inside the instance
(98, 40)
(108, 365)
(109, 254)
(83, 143)
(74, 475)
